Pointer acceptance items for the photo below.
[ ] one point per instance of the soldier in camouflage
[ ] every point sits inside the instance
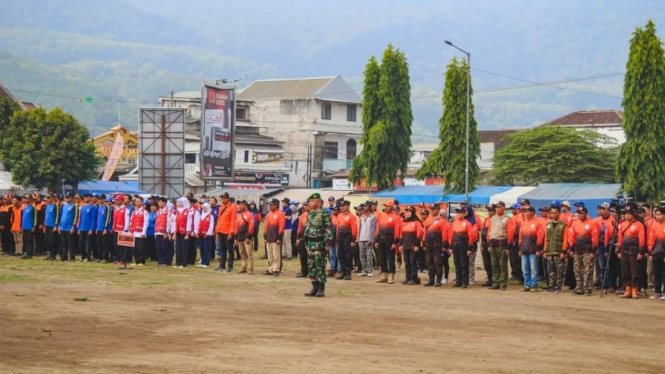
(318, 236)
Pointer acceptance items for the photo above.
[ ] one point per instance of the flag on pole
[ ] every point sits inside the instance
(114, 157)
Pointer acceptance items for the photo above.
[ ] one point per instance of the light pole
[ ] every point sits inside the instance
(468, 114)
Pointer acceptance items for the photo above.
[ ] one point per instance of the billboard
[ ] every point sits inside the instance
(217, 133)
(162, 151)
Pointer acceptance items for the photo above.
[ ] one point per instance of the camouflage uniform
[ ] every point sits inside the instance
(556, 267)
(318, 233)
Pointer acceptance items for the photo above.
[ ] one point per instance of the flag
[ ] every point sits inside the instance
(114, 157)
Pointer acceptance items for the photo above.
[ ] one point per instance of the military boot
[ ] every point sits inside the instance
(437, 283)
(315, 288)
(341, 275)
(391, 278)
(322, 290)
(384, 278)
(430, 281)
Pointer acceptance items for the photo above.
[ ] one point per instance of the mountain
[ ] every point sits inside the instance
(135, 51)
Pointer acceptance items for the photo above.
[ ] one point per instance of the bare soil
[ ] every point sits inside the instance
(154, 320)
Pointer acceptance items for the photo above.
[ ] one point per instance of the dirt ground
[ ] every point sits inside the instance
(154, 320)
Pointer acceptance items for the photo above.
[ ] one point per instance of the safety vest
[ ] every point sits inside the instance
(119, 219)
(161, 221)
(204, 225)
(181, 222)
(192, 212)
(137, 221)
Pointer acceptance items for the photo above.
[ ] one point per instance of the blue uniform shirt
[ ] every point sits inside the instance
(86, 220)
(52, 215)
(152, 218)
(104, 218)
(29, 218)
(68, 216)
(288, 224)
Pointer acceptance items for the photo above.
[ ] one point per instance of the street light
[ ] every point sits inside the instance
(468, 113)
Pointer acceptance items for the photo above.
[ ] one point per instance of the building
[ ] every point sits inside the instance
(606, 122)
(6, 94)
(130, 151)
(317, 119)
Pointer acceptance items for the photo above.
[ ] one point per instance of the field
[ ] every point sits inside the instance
(90, 318)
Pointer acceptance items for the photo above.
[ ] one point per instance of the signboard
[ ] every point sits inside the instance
(126, 239)
(341, 185)
(162, 151)
(266, 157)
(114, 157)
(217, 133)
(413, 182)
(429, 181)
(267, 179)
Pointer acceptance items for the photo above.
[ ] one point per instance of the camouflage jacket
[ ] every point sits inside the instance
(318, 226)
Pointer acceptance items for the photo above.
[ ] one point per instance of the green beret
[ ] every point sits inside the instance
(315, 195)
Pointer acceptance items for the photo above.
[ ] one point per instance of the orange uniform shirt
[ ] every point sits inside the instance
(531, 236)
(631, 237)
(226, 219)
(656, 238)
(583, 236)
(347, 225)
(388, 226)
(461, 229)
(274, 226)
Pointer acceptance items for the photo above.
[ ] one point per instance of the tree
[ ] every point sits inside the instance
(42, 149)
(554, 154)
(641, 161)
(7, 108)
(449, 159)
(387, 133)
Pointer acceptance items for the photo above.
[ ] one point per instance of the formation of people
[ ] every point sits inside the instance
(623, 249)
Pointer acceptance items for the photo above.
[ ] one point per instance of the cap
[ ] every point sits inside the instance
(273, 202)
(579, 204)
(525, 202)
(336, 206)
(641, 210)
(109, 199)
(630, 210)
(491, 208)
(120, 198)
(224, 195)
(545, 208)
(331, 198)
(500, 203)
(375, 202)
(425, 212)
(146, 203)
(397, 208)
(460, 210)
(389, 204)
(95, 194)
(583, 209)
(77, 196)
(530, 209)
(102, 196)
(295, 202)
(435, 206)
(315, 195)
(346, 203)
(231, 199)
(396, 201)
(423, 205)
(566, 203)
(69, 195)
(27, 196)
(242, 202)
(515, 207)
(556, 203)
(604, 206)
(286, 200)
(660, 209)
(464, 203)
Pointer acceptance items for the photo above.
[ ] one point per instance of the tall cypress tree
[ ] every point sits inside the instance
(387, 133)
(641, 162)
(449, 159)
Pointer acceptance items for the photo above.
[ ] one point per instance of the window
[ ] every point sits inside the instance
(427, 154)
(326, 111)
(351, 113)
(241, 114)
(351, 148)
(246, 157)
(190, 158)
(330, 150)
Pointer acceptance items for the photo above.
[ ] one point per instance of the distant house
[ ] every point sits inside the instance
(606, 122)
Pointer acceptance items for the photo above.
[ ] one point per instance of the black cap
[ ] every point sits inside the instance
(500, 203)
(525, 202)
(641, 210)
(224, 195)
(425, 212)
(491, 208)
(464, 203)
(273, 202)
(630, 210)
(242, 202)
(582, 209)
(232, 199)
(77, 196)
(530, 209)
(286, 200)
(661, 209)
(331, 198)
(545, 208)
(460, 210)
(346, 203)
(435, 206)
(69, 194)
(375, 202)
(336, 207)
(396, 202)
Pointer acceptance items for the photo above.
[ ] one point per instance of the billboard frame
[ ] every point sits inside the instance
(232, 128)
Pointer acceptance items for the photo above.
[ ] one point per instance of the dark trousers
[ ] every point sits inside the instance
(411, 264)
(150, 251)
(83, 245)
(434, 261)
(91, 243)
(117, 249)
(630, 270)
(487, 264)
(226, 247)
(191, 251)
(74, 240)
(615, 271)
(104, 246)
(445, 255)
(255, 240)
(345, 253)
(28, 242)
(67, 251)
(7, 240)
(206, 245)
(461, 263)
(161, 241)
(302, 252)
(293, 238)
(644, 279)
(386, 256)
(139, 250)
(516, 264)
(658, 271)
(181, 248)
(40, 242)
(569, 279)
(51, 242)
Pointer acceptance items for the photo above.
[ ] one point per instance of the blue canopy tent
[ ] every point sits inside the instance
(107, 187)
(413, 194)
(480, 196)
(589, 193)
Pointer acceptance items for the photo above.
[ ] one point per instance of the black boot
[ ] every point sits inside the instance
(315, 288)
(322, 290)
(430, 281)
(437, 283)
(341, 275)
(347, 275)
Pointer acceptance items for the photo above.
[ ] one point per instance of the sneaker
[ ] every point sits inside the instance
(525, 289)
(175, 267)
(557, 291)
(445, 281)
(204, 266)
(503, 288)
(229, 270)
(104, 262)
(180, 267)
(656, 297)
(587, 293)
(140, 265)
(370, 274)
(471, 282)
(662, 298)
(363, 274)
(133, 264)
(199, 265)
(579, 292)
(535, 289)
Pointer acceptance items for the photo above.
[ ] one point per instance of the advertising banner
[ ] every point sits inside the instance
(266, 157)
(114, 157)
(217, 133)
(267, 179)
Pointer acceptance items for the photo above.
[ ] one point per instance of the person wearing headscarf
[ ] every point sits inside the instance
(193, 229)
(206, 235)
(257, 221)
(182, 223)
(412, 237)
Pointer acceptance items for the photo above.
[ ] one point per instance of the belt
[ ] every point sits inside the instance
(314, 238)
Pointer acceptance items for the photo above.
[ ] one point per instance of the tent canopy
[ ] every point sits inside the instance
(413, 194)
(589, 193)
(301, 194)
(108, 187)
(510, 196)
(480, 196)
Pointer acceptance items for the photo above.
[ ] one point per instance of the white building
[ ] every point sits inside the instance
(606, 122)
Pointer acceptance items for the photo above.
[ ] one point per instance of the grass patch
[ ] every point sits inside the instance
(46, 329)
(159, 309)
(19, 295)
(80, 298)
(14, 278)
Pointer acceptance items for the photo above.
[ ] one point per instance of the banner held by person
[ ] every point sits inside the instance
(126, 240)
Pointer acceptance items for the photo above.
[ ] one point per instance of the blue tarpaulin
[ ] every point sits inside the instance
(589, 193)
(434, 194)
(107, 187)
